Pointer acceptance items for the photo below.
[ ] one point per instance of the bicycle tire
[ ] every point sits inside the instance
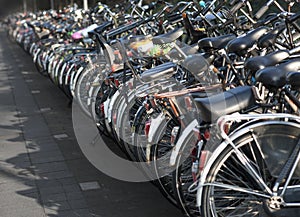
(267, 147)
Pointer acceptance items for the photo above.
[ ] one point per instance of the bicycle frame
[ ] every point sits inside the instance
(291, 99)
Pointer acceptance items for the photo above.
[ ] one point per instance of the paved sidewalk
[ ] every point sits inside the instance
(42, 169)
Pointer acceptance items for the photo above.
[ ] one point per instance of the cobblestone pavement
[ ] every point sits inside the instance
(42, 169)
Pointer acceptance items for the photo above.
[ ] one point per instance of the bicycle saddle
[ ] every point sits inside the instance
(215, 42)
(242, 43)
(163, 71)
(196, 64)
(275, 76)
(167, 37)
(204, 94)
(293, 79)
(261, 62)
(192, 49)
(187, 50)
(234, 100)
(269, 38)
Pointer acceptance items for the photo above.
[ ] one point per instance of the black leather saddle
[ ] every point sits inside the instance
(168, 37)
(192, 49)
(269, 38)
(187, 50)
(206, 93)
(293, 79)
(196, 64)
(241, 44)
(163, 71)
(275, 76)
(228, 102)
(261, 62)
(216, 43)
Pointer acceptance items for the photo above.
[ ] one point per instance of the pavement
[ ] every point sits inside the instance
(42, 169)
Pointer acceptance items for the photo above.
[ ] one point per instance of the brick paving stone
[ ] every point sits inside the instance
(77, 204)
(51, 167)
(75, 213)
(57, 175)
(70, 150)
(60, 136)
(35, 91)
(72, 188)
(57, 206)
(53, 198)
(67, 181)
(85, 186)
(52, 213)
(24, 211)
(48, 159)
(43, 183)
(74, 195)
(45, 109)
(34, 146)
(45, 191)
(9, 148)
(21, 185)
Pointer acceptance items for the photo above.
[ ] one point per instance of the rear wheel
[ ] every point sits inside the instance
(82, 87)
(183, 177)
(231, 190)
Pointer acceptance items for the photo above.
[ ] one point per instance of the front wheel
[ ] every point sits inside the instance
(230, 188)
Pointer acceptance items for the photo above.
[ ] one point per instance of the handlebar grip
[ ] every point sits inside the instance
(261, 11)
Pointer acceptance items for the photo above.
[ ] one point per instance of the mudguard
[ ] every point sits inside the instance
(181, 141)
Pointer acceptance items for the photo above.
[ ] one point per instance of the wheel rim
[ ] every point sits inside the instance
(231, 190)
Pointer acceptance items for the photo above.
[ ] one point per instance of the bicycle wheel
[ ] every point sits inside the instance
(183, 178)
(82, 87)
(161, 162)
(231, 190)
